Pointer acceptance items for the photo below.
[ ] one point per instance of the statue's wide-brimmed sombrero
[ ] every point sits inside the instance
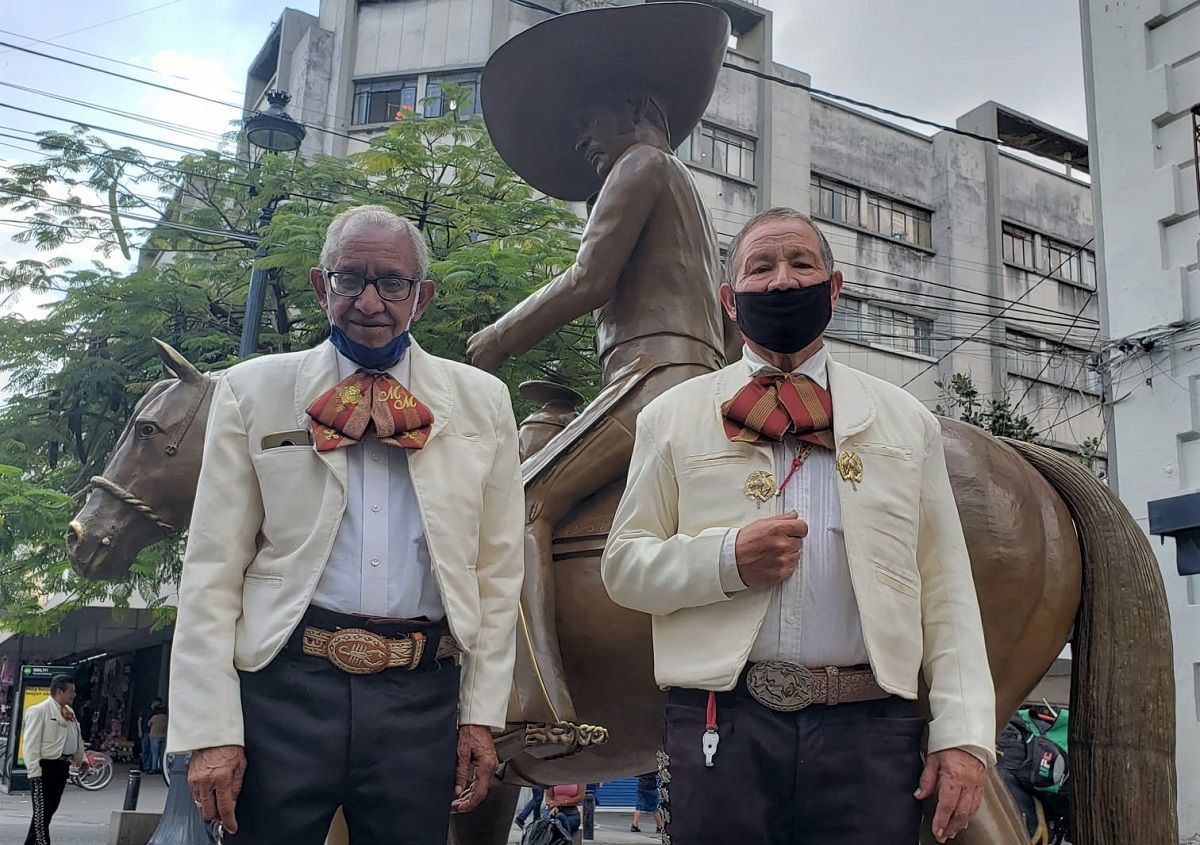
(534, 86)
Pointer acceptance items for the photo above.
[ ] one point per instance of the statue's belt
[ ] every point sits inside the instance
(360, 652)
(787, 687)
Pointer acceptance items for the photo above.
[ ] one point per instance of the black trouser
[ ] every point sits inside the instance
(380, 746)
(827, 775)
(47, 795)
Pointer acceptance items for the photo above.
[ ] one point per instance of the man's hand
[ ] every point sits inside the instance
(484, 350)
(768, 549)
(476, 764)
(957, 778)
(215, 779)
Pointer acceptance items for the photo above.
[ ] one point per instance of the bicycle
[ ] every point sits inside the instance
(99, 772)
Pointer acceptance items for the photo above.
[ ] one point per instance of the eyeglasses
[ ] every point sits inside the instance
(393, 288)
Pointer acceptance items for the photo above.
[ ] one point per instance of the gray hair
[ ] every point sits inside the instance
(768, 216)
(379, 216)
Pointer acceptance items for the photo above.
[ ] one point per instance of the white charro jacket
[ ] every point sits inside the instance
(908, 559)
(44, 736)
(265, 520)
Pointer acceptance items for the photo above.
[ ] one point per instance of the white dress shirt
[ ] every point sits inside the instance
(48, 735)
(813, 616)
(379, 565)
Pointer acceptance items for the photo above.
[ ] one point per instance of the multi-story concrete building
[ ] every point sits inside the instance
(1142, 71)
(961, 257)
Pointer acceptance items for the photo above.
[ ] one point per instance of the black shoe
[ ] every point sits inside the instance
(633, 828)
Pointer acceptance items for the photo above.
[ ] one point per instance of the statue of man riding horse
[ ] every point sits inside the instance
(1053, 554)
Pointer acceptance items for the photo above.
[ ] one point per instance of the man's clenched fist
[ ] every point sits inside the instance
(768, 549)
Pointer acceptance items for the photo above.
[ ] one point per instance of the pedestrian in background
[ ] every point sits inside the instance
(531, 808)
(647, 802)
(51, 742)
(562, 804)
(158, 739)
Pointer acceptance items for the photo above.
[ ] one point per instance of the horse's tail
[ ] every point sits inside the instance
(1122, 727)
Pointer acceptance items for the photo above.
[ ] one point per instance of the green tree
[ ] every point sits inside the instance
(75, 373)
(997, 416)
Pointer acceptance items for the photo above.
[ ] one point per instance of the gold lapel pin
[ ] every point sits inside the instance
(850, 467)
(760, 485)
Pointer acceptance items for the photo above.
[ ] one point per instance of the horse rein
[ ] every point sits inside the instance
(170, 450)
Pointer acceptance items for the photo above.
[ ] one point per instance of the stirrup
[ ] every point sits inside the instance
(548, 740)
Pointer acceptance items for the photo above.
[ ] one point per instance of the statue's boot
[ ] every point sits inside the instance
(542, 719)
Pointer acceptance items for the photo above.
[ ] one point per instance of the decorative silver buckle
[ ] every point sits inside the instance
(782, 686)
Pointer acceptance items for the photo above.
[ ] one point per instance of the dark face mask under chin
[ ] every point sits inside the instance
(785, 321)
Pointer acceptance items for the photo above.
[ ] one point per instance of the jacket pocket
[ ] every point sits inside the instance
(897, 581)
(714, 459)
(902, 452)
(262, 580)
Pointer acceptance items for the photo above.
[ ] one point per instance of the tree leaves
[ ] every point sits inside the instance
(75, 373)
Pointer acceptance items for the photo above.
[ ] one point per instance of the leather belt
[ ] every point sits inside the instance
(788, 687)
(361, 652)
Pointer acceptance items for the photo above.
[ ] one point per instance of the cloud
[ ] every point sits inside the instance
(939, 59)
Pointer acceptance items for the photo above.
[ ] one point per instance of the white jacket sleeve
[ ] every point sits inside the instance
(961, 697)
(206, 708)
(500, 568)
(31, 740)
(647, 565)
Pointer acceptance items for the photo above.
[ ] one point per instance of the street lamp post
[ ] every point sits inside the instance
(271, 131)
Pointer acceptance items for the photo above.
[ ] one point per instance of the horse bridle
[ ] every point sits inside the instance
(170, 450)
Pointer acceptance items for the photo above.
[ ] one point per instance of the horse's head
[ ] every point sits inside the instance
(147, 487)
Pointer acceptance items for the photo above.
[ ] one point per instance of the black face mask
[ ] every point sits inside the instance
(785, 321)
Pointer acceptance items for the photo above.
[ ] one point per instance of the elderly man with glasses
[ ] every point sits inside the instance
(348, 604)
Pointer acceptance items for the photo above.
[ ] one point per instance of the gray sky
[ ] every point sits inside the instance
(933, 58)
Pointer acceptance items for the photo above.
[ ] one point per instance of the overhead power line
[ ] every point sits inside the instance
(101, 23)
(1002, 311)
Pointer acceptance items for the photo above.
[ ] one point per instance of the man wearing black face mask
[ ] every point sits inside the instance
(788, 522)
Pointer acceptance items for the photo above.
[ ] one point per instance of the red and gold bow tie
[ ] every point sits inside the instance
(773, 406)
(362, 402)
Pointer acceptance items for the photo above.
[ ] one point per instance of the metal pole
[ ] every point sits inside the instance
(589, 814)
(181, 823)
(258, 288)
(133, 789)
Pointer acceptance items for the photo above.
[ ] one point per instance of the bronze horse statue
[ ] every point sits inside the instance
(1052, 550)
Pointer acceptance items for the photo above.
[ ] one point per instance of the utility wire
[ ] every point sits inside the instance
(1050, 357)
(1001, 312)
(101, 23)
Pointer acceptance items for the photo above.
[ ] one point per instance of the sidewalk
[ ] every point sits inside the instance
(84, 817)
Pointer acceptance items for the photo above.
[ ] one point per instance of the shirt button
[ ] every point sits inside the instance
(374, 561)
(791, 619)
(375, 508)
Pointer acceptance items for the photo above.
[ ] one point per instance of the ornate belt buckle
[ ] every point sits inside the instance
(781, 686)
(358, 652)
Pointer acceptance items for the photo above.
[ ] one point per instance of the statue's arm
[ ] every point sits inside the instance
(955, 665)
(612, 232)
(206, 708)
(648, 565)
(500, 566)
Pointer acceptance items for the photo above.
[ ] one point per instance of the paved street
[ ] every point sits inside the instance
(84, 816)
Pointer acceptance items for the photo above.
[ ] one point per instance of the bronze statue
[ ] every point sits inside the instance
(613, 92)
(1050, 546)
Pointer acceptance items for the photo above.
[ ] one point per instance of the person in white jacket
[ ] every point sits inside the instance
(51, 741)
(789, 524)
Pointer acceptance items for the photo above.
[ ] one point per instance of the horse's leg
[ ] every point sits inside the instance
(997, 823)
(491, 821)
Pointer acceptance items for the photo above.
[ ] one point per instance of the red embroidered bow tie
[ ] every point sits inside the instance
(362, 402)
(773, 406)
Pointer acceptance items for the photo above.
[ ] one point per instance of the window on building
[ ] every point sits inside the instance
(847, 321)
(436, 105)
(835, 200)
(383, 100)
(1052, 361)
(1089, 269)
(901, 222)
(902, 330)
(1017, 245)
(869, 322)
(1061, 260)
(722, 150)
